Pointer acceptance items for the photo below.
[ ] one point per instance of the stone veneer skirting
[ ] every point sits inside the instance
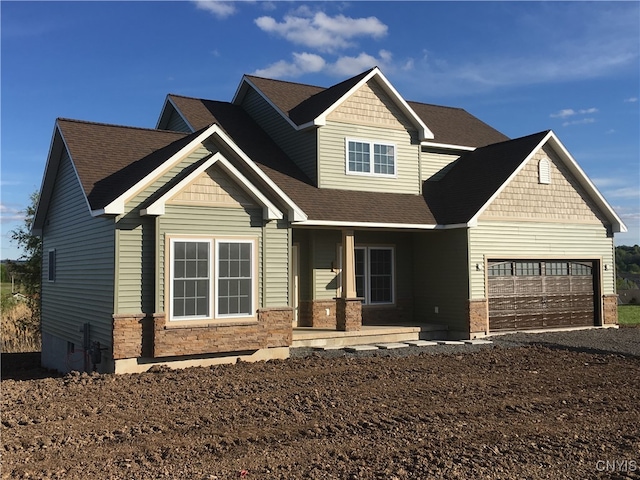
(149, 336)
(478, 316)
(348, 314)
(610, 309)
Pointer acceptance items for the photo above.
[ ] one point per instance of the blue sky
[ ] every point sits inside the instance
(522, 67)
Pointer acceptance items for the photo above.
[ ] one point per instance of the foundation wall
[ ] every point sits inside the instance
(610, 310)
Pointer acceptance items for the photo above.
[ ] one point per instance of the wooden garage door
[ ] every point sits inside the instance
(526, 294)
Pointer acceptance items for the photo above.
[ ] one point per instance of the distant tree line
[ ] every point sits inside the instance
(628, 267)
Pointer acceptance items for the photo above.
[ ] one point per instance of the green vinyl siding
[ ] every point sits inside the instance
(276, 241)
(441, 278)
(324, 249)
(176, 123)
(83, 288)
(135, 269)
(506, 240)
(332, 161)
(216, 222)
(300, 146)
(433, 165)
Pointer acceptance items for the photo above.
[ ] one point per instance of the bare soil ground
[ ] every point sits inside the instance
(503, 412)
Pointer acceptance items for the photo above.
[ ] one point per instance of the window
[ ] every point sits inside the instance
(235, 279)
(581, 269)
(51, 268)
(527, 269)
(557, 268)
(502, 269)
(374, 274)
(191, 297)
(359, 159)
(207, 282)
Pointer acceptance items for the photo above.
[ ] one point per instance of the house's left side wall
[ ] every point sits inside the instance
(77, 303)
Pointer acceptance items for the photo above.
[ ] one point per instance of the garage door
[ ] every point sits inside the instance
(526, 294)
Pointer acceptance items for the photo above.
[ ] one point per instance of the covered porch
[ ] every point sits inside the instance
(350, 282)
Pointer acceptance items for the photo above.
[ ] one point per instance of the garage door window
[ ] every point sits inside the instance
(580, 269)
(557, 268)
(527, 269)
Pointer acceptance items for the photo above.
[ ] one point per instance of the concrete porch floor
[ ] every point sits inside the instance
(370, 334)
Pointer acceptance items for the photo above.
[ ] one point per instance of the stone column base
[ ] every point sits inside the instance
(348, 314)
(478, 316)
(610, 309)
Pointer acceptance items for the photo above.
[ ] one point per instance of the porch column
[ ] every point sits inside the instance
(348, 306)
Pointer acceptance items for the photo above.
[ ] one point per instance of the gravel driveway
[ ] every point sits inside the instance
(623, 341)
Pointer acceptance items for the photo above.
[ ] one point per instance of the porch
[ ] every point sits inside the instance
(367, 335)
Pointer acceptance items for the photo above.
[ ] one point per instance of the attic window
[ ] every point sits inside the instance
(544, 171)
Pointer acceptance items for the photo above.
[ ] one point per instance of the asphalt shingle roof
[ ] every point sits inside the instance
(475, 177)
(110, 159)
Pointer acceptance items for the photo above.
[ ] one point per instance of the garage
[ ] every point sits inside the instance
(532, 294)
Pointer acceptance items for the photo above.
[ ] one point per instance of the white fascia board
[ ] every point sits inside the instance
(246, 81)
(447, 146)
(574, 168)
(168, 101)
(116, 207)
(295, 213)
(345, 224)
(474, 220)
(423, 130)
(46, 184)
(270, 211)
(617, 224)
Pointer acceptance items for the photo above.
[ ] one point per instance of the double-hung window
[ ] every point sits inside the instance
(211, 279)
(370, 158)
(235, 279)
(374, 274)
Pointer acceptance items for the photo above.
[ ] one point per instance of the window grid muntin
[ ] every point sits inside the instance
(359, 161)
(557, 268)
(581, 269)
(191, 279)
(527, 269)
(359, 157)
(234, 296)
(502, 269)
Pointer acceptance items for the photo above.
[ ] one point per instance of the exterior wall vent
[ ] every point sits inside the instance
(544, 171)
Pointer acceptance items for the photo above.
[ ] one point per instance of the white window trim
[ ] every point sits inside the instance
(51, 269)
(371, 172)
(367, 284)
(544, 171)
(170, 288)
(252, 242)
(213, 242)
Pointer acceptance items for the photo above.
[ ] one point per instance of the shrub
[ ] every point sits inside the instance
(20, 327)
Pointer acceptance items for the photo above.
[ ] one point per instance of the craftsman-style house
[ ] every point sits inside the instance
(213, 235)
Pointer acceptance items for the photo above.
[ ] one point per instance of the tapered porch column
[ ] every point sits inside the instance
(348, 306)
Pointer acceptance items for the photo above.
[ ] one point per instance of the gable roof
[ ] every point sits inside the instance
(318, 204)
(475, 177)
(109, 159)
(305, 106)
(478, 177)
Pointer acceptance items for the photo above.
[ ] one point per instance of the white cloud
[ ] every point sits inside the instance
(582, 121)
(302, 63)
(321, 31)
(344, 66)
(11, 214)
(570, 112)
(624, 192)
(631, 100)
(218, 8)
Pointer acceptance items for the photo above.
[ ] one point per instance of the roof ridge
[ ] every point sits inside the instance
(115, 125)
(286, 81)
(435, 105)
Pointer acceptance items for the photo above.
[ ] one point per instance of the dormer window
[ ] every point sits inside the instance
(544, 171)
(370, 158)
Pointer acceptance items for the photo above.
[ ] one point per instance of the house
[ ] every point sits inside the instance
(211, 236)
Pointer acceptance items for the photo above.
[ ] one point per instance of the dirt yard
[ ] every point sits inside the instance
(523, 412)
